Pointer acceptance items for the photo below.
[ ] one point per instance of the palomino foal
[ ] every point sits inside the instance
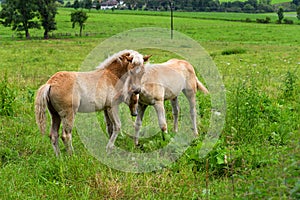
(66, 93)
(163, 82)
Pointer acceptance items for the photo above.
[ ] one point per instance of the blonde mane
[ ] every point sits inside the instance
(137, 58)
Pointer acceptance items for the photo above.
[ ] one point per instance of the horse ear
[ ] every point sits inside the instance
(129, 58)
(146, 58)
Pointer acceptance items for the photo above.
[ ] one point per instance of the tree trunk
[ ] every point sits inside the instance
(80, 34)
(27, 34)
(46, 35)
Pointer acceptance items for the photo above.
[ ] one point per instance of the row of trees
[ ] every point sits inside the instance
(87, 4)
(250, 6)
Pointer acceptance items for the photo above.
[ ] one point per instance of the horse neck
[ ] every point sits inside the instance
(117, 69)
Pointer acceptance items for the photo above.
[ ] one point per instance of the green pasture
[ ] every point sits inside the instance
(256, 157)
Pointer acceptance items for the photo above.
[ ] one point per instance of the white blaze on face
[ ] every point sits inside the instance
(138, 70)
(138, 59)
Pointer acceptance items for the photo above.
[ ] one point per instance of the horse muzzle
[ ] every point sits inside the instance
(136, 90)
(134, 114)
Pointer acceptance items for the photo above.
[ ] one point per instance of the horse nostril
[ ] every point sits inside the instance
(134, 114)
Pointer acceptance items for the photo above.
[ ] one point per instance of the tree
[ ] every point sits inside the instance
(79, 17)
(296, 2)
(97, 4)
(248, 8)
(298, 12)
(20, 15)
(280, 15)
(76, 4)
(47, 10)
(88, 4)
(61, 2)
(68, 5)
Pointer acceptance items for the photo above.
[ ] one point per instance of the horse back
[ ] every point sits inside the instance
(167, 80)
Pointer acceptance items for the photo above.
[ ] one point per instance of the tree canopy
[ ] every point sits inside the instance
(24, 15)
(79, 17)
(20, 15)
(47, 10)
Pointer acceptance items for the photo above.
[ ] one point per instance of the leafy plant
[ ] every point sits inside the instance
(8, 96)
(289, 84)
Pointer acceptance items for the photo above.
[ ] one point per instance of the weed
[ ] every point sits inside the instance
(289, 81)
(8, 96)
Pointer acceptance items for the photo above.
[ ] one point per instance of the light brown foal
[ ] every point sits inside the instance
(66, 93)
(163, 82)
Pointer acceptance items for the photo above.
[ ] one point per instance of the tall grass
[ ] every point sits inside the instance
(256, 157)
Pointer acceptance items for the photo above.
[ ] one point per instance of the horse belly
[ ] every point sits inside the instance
(88, 105)
(171, 93)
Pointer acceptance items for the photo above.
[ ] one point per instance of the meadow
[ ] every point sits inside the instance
(256, 157)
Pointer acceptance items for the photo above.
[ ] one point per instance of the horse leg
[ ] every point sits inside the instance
(68, 122)
(114, 118)
(55, 124)
(54, 131)
(175, 111)
(190, 95)
(109, 125)
(160, 111)
(138, 122)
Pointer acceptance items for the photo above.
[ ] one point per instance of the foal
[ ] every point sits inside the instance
(66, 93)
(163, 82)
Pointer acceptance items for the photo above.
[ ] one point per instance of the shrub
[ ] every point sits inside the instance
(264, 21)
(248, 20)
(233, 51)
(288, 21)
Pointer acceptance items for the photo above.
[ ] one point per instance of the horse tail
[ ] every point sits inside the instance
(41, 101)
(201, 87)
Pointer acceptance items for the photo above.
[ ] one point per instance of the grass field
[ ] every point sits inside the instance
(259, 64)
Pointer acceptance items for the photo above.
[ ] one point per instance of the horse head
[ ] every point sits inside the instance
(132, 85)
